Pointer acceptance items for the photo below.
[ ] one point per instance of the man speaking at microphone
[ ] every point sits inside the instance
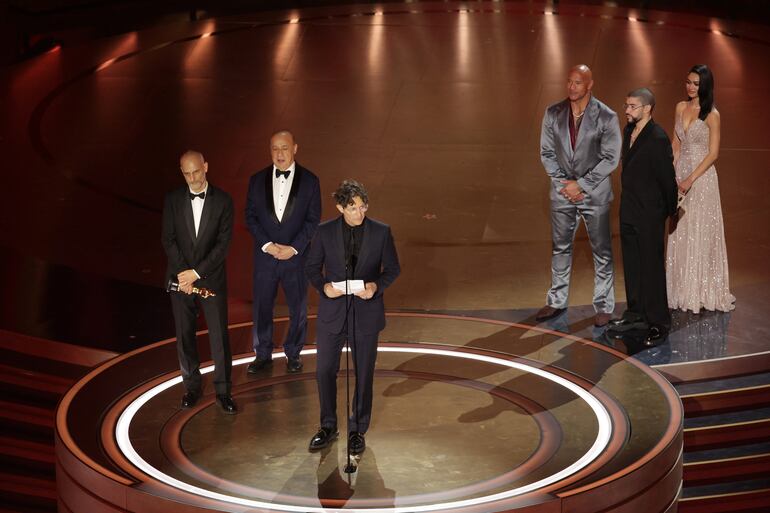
(350, 247)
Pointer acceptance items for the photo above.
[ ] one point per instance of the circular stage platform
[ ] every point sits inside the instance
(520, 418)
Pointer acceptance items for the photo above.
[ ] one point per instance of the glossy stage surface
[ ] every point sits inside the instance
(436, 108)
(460, 422)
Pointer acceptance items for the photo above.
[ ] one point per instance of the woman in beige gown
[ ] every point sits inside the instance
(696, 258)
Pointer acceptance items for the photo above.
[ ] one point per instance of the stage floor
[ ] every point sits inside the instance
(515, 418)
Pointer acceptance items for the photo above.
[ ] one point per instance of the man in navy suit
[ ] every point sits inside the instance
(283, 208)
(197, 228)
(350, 247)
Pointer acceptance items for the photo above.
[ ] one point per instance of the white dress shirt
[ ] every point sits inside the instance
(281, 190)
(197, 208)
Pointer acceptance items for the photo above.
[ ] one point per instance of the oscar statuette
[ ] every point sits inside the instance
(173, 286)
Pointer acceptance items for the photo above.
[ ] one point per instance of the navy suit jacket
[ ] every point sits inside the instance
(300, 219)
(206, 252)
(377, 262)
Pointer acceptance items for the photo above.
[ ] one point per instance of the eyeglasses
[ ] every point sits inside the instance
(631, 106)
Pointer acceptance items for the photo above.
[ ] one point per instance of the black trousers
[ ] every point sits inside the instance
(294, 283)
(645, 272)
(185, 308)
(364, 349)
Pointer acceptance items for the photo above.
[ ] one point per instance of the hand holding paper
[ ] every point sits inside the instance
(353, 286)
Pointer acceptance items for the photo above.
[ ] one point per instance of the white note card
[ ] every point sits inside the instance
(353, 286)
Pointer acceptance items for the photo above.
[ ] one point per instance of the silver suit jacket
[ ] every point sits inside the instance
(596, 155)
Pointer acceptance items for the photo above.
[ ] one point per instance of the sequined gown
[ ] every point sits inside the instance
(696, 257)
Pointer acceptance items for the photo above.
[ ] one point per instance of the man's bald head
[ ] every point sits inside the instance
(194, 168)
(579, 84)
(283, 147)
(583, 70)
(192, 156)
(284, 133)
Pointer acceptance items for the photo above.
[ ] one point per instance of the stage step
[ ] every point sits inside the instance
(746, 414)
(724, 435)
(32, 386)
(33, 456)
(717, 385)
(726, 445)
(34, 375)
(700, 473)
(709, 403)
(20, 491)
(721, 453)
(59, 352)
(752, 501)
(42, 364)
(32, 421)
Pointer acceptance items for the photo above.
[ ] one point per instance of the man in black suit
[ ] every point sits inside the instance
(197, 228)
(283, 208)
(350, 247)
(649, 197)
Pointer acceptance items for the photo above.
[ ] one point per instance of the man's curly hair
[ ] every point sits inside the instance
(348, 190)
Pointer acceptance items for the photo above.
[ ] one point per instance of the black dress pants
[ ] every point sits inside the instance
(364, 349)
(185, 308)
(645, 271)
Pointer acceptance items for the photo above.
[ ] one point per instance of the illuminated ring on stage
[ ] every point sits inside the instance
(602, 440)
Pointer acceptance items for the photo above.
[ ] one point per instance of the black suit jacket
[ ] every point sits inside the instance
(648, 178)
(300, 219)
(206, 252)
(377, 262)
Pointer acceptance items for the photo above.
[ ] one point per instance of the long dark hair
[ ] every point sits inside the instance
(705, 89)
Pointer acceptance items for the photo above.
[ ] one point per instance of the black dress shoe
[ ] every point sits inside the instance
(227, 404)
(656, 335)
(547, 313)
(258, 364)
(323, 438)
(190, 398)
(356, 442)
(627, 324)
(293, 365)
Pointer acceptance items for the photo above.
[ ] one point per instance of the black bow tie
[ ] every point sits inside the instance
(279, 173)
(201, 195)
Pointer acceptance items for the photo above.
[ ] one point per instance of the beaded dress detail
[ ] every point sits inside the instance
(696, 258)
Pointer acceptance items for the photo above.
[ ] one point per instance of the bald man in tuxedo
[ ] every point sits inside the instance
(197, 229)
(283, 209)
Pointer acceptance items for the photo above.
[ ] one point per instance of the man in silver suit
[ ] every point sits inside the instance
(580, 147)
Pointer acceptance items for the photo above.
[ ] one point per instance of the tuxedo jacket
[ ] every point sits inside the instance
(649, 192)
(377, 262)
(205, 253)
(596, 154)
(300, 218)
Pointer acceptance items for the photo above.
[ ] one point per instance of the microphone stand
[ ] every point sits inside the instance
(351, 467)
